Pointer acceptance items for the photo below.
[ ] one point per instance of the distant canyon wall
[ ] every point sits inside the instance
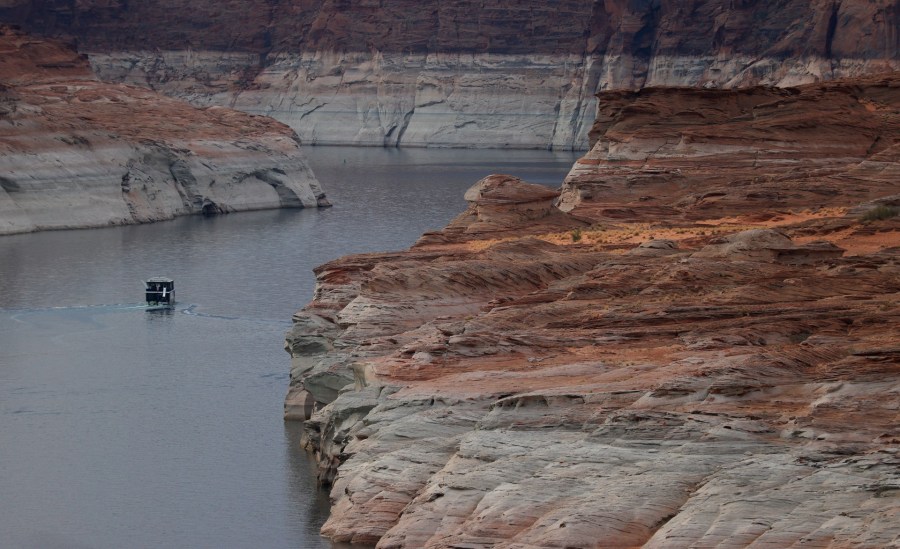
(76, 152)
(384, 99)
(461, 73)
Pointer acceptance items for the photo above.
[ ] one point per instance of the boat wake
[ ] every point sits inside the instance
(192, 310)
(187, 309)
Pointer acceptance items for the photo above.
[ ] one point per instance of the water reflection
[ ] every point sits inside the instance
(301, 477)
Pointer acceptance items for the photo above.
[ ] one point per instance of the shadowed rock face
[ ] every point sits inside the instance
(645, 28)
(75, 152)
(458, 73)
(701, 352)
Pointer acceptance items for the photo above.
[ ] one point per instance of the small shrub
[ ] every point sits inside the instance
(881, 212)
(576, 235)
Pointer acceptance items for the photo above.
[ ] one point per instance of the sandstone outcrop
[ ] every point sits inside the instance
(701, 352)
(76, 152)
(458, 73)
(689, 152)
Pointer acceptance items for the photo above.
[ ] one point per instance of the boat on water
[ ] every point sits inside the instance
(159, 292)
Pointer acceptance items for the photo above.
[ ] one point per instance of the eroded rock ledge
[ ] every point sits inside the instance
(702, 352)
(75, 152)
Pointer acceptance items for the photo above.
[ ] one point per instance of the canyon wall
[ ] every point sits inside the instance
(460, 73)
(76, 152)
(693, 345)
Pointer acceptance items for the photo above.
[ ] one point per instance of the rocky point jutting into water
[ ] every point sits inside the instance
(694, 345)
(459, 73)
(77, 152)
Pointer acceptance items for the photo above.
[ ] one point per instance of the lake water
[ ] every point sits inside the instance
(126, 428)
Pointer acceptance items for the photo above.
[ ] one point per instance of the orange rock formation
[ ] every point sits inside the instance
(698, 348)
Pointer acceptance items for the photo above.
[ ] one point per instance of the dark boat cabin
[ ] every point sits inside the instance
(160, 290)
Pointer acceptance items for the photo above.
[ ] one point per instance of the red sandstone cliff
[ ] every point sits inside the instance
(461, 73)
(76, 152)
(702, 352)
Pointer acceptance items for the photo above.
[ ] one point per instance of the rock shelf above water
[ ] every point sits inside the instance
(695, 344)
(76, 152)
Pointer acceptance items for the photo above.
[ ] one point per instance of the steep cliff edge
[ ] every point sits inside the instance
(701, 352)
(459, 73)
(76, 152)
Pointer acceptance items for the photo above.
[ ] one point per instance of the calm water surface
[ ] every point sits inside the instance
(125, 428)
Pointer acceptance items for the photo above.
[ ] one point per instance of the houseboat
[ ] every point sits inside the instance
(159, 292)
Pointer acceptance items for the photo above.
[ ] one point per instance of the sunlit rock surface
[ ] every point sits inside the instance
(703, 352)
(76, 152)
(459, 73)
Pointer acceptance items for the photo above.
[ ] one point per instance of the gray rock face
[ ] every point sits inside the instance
(386, 98)
(446, 100)
(52, 185)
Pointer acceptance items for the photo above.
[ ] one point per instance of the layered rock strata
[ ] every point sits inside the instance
(76, 152)
(460, 73)
(691, 152)
(700, 351)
